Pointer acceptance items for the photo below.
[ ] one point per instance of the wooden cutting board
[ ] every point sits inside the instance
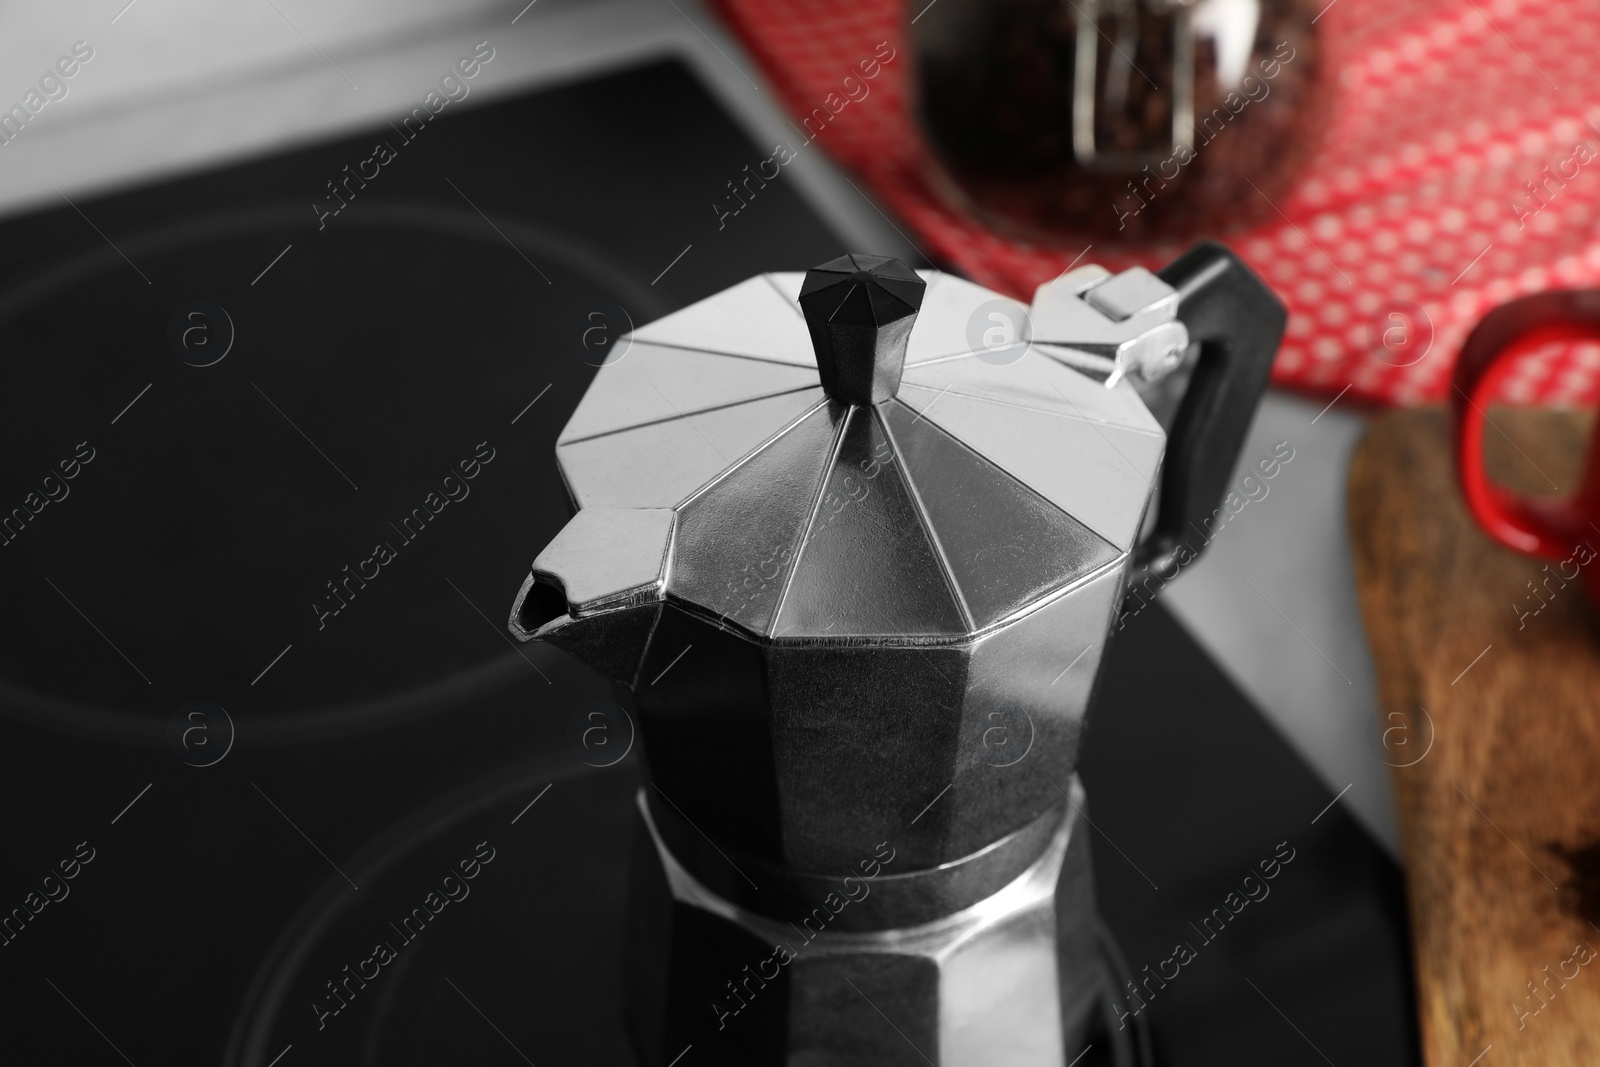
(1492, 722)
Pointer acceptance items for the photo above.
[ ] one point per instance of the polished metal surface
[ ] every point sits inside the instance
(1130, 318)
(653, 383)
(766, 504)
(899, 898)
(1133, 291)
(861, 598)
(1107, 484)
(1008, 980)
(606, 557)
(664, 462)
(867, 566)
(967, 500)
(854, 595)
(759, 318)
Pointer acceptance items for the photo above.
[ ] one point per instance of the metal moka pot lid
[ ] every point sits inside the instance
(913, 483)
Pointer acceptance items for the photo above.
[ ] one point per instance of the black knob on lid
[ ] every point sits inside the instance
(860, 310)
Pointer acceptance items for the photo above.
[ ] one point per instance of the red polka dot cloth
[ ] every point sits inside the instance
(1441, 111)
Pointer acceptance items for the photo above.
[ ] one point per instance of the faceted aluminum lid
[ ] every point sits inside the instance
(989, 481)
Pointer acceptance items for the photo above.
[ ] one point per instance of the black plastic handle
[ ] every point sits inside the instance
(1238, 323)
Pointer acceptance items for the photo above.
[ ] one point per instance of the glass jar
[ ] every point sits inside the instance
(1057, 120)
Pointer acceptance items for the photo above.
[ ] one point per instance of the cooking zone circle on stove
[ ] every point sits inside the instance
(210, 521)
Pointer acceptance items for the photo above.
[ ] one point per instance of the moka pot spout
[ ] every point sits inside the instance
(596, 589)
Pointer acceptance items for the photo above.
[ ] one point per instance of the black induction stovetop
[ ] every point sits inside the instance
(279, 475)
